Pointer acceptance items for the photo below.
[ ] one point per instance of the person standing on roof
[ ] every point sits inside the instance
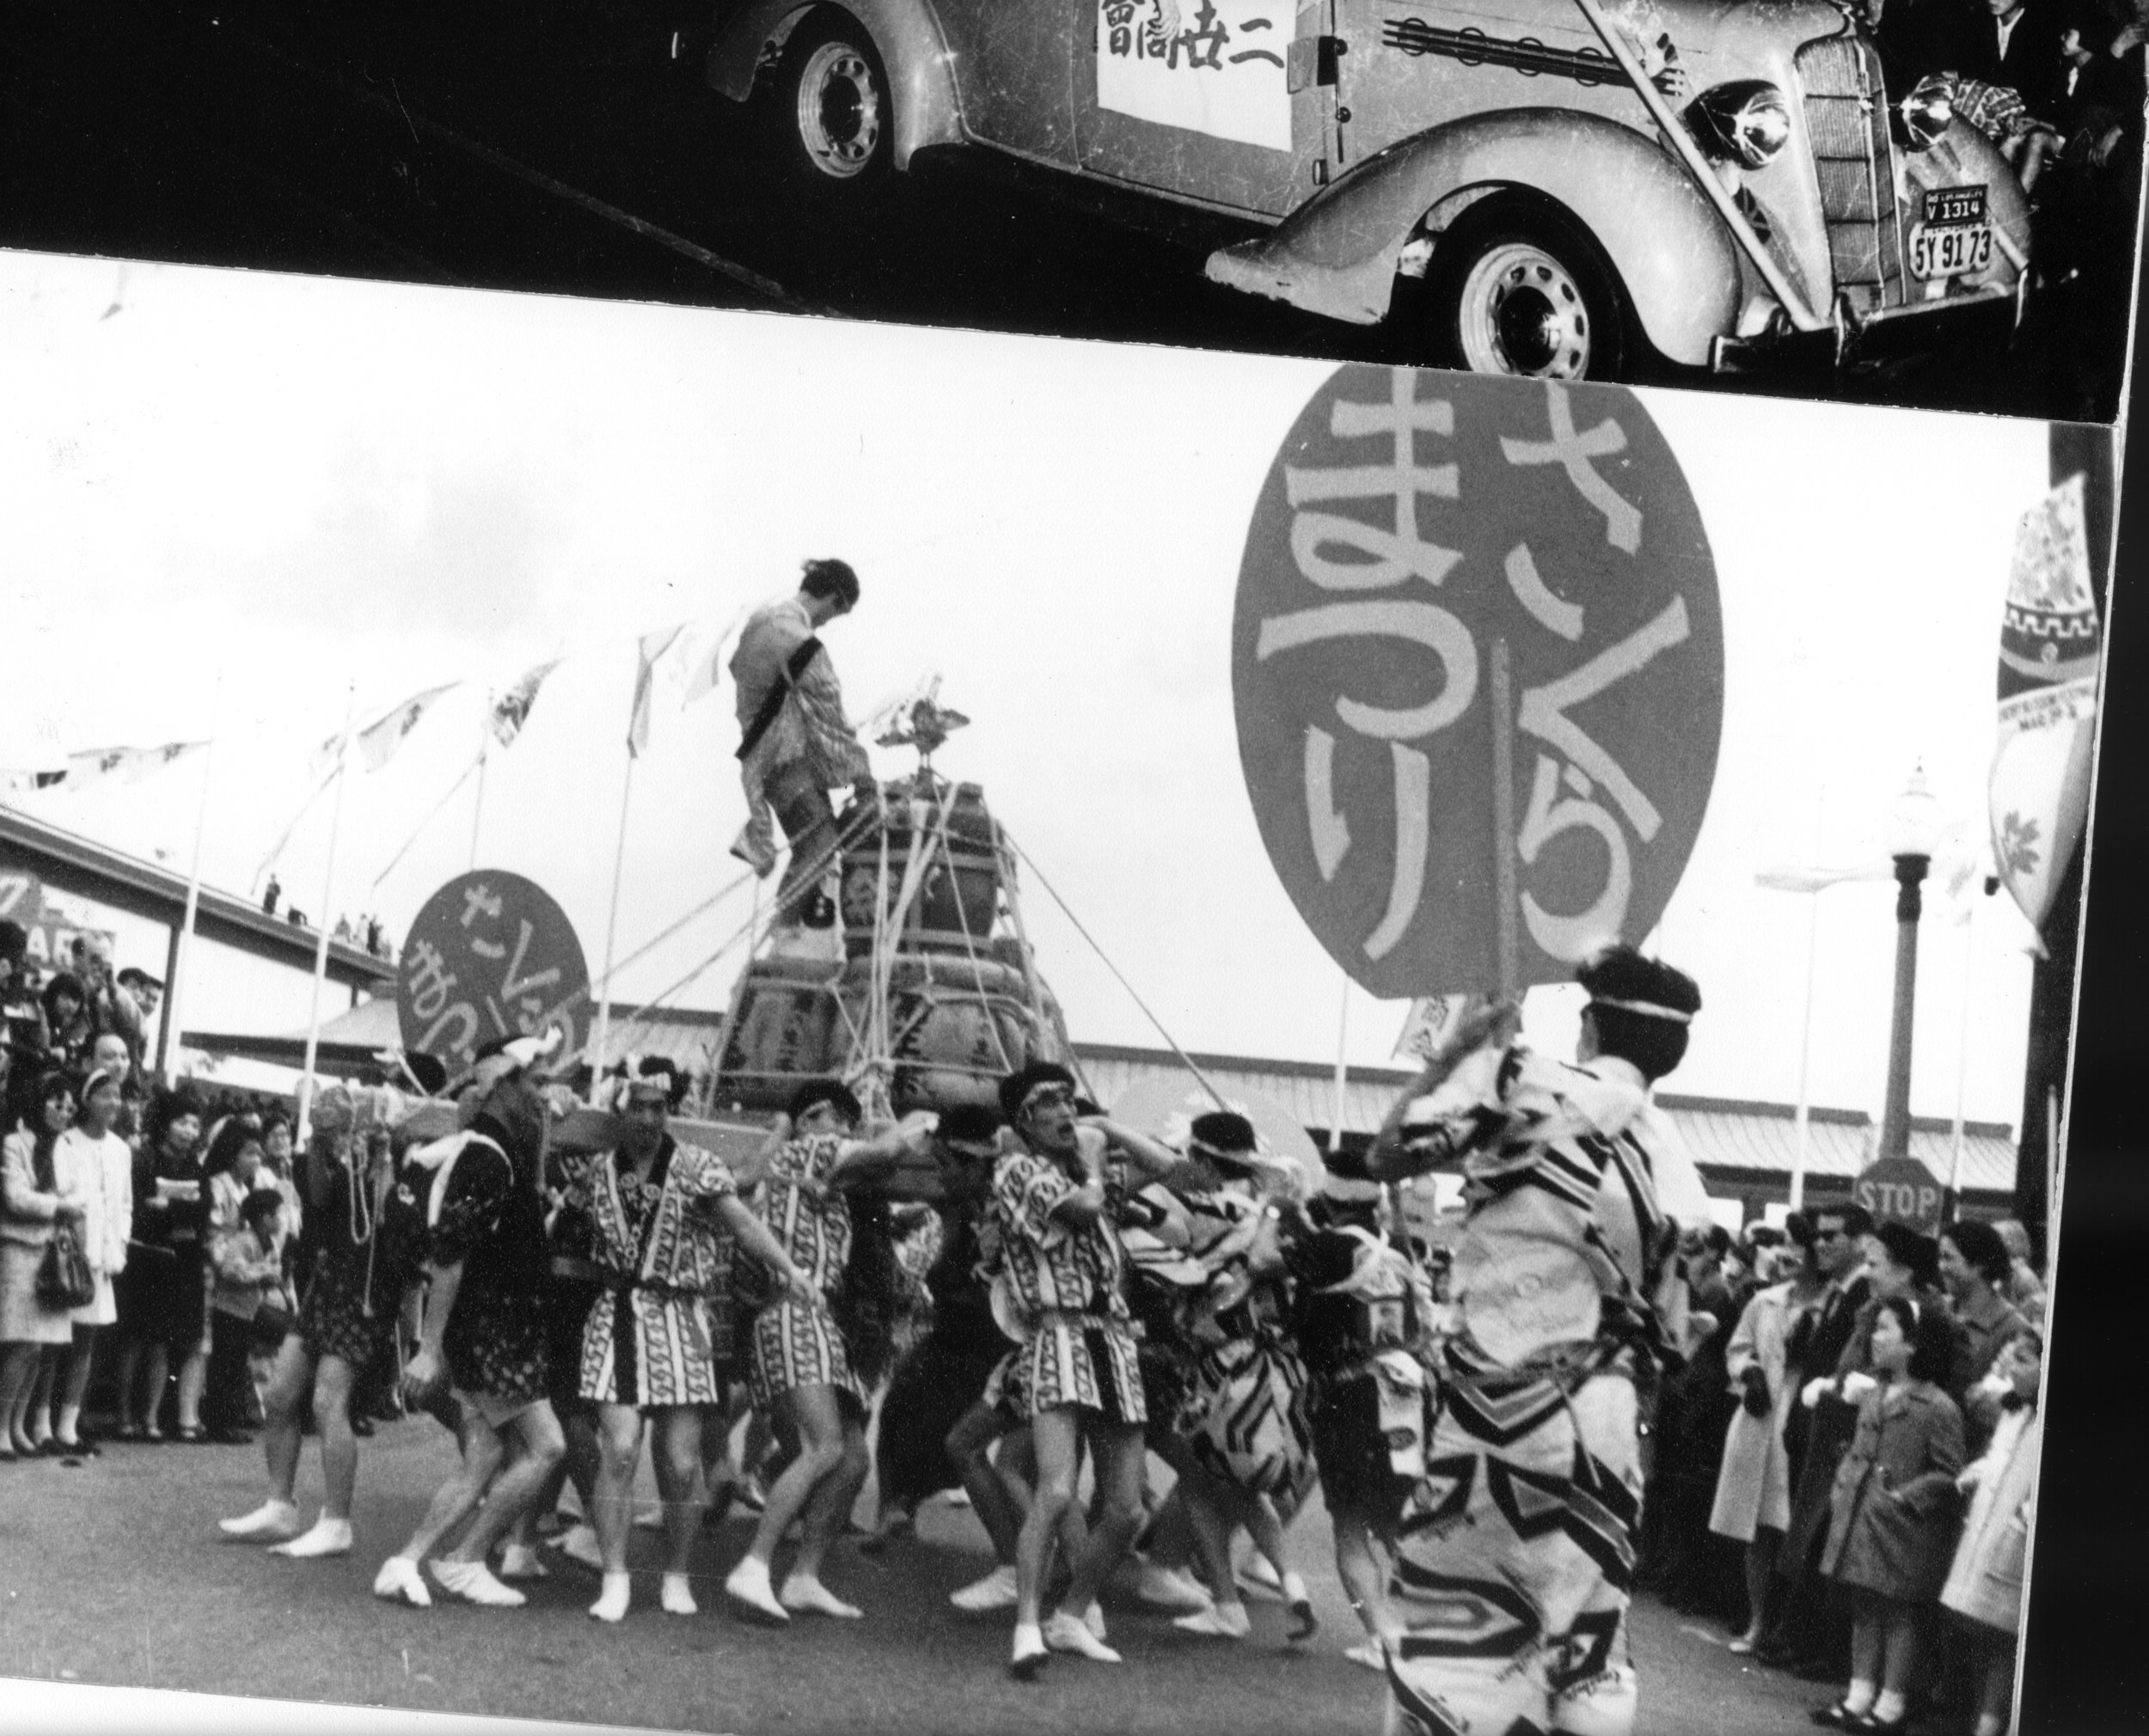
(796, 745)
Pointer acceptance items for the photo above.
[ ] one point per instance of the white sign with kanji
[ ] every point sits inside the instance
(1210, 66)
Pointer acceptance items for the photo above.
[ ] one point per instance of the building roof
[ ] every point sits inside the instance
(90, 870)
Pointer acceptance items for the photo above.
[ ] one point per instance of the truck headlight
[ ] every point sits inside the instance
(1746, 121)
(1928, 110)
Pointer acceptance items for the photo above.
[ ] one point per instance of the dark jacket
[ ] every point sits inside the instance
(2031, 66)
(1893, 1514)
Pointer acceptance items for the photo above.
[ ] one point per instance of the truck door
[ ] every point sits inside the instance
(1222, 102)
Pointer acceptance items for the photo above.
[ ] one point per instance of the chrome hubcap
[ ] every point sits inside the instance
(1522, 313)
(839, 111)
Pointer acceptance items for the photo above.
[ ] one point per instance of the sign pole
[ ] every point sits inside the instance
(1503, 876)
(611, 930)
(477, 809)
(1342, 1032)
(321, 919)
(1805, 1056)
(183, 942)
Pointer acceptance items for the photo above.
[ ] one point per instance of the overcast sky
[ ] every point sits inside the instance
(304, 484)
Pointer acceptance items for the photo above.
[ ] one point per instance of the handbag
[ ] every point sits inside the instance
(63, 1277)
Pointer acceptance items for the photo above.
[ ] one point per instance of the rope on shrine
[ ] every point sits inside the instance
(1185, 1059)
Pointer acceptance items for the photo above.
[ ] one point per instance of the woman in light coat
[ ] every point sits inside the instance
(31, 1202)
(93, 1162)
(1753, 1497)
(1985, 1583)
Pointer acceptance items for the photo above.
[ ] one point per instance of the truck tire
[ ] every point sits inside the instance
(831, 108)
(1517, 286)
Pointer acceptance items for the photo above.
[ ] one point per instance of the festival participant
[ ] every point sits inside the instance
(94, 1161)
(1892, 1511)
(483, 1337)
(163, 1308)
(796, 745)
(1984, 1588)
(32, 1201)
(1239, 1438)
(800, 1361)
(351, 1285)
(1362, 1317)
(654, 1340)
(1066, 1274)
(942, 1376)
(1562, 1283)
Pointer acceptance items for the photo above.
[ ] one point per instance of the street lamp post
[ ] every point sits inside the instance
(1912, 828)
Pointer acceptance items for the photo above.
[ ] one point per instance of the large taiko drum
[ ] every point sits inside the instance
(788, 1029)
(958, 894)
(956, 1025)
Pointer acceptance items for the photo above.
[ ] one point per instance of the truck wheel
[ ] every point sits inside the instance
(831, 103)
(1522, 289)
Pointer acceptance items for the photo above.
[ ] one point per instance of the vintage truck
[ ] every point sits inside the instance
(1554, 188)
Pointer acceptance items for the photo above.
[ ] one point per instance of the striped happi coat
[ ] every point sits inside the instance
(1516, 1554)
(797, 1342)
(1065, 1290)
(658, 1336)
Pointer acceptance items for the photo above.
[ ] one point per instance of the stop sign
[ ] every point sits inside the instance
(1903, 1188)
(490, 956)
(1478, 669)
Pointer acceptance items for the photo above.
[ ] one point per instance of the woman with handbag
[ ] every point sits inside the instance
(94, 1162)
(42, 1262)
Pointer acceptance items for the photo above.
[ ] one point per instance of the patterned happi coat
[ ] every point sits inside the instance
(797, 1339)
(1516, 1554)
(659, 1334)
(1063, 1290)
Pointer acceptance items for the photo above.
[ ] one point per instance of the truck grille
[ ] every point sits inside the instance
(1846, 119)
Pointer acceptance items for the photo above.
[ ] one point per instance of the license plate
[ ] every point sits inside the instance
(1949, 250)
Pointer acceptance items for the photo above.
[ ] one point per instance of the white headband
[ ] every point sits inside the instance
(1648, 1009)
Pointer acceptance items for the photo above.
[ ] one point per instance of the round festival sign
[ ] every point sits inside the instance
(490, 956)
(1478, 666)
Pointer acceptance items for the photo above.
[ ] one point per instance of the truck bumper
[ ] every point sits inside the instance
(1981, 324)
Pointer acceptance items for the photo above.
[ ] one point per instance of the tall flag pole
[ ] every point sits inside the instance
(321, 921)
(183, 950)
(650, 650)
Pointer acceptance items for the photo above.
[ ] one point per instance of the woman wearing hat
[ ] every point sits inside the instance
(800, 1361)
(32, 1201)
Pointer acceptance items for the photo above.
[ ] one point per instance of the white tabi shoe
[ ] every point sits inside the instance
(399, 1581)
(327, 1536)
(1218, 1622)
(579, 1544)
(474, 1583)
(1030, 1653)
(611, 1605)
(272, 1521)
(804, 1596)
(752, 1598)
(1067, 1632)
(996, 1590)
(1257, 1579)
(1171, 1589)
(678, 1597)
(519, 1562)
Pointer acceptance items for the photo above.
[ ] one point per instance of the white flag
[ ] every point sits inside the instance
(651, 650)
(378, 741)
(703, 657)
(1429, 1023)
(510, 711)
(2037, 792)
(125, 765)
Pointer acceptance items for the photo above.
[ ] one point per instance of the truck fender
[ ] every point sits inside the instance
(1338, 253)
(906, 34)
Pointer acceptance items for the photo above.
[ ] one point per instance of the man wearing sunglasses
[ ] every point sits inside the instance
(1065, 1274)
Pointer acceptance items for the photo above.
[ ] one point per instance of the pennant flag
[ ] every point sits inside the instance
(510, 711)
(703, 657)
(2037, 794)
(124, 765)
(651, 648)
(1429, 1023)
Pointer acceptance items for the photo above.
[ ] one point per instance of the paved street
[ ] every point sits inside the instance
(111, 1573)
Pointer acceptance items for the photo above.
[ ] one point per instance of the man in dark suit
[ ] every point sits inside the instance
(2016, 46)
(1816, 1438)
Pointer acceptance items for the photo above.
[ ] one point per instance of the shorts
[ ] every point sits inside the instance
(497, 1409)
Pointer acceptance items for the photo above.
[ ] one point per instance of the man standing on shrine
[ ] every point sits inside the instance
(796, 745)
(1515, 1559)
